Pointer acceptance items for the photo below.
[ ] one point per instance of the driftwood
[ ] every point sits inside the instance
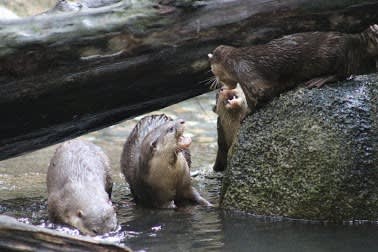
(66, 74)
(16, 236)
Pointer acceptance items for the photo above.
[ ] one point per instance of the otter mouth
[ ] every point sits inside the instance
(183, 142)
(232, 101)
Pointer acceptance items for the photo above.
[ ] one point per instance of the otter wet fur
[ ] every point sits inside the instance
(231, 108)
(79, 187)
(156, 162)
(264, 71)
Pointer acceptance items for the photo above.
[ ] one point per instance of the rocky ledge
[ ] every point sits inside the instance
(309, 154)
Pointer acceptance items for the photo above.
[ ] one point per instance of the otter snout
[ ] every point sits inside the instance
(180, 127)
(180, 121)
(218, 66)
(183, 142)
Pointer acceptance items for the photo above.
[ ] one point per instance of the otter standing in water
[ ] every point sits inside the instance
(156, 161)
(231, 108)
(264, 71)
(79, 186)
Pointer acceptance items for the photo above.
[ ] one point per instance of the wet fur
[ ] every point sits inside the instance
(156, 170)
(79, 186)
(228, 124)
(264, 71)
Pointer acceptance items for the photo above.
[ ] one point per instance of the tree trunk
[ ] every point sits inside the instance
(65, 74)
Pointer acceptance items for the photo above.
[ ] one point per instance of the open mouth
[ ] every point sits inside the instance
(232, 100)
(184, 142)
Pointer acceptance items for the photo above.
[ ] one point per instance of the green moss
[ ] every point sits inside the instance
(309, 154)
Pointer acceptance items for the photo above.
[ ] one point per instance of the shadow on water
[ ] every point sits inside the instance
(23, 195)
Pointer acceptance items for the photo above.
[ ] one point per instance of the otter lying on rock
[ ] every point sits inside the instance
(264, 71)
(156, 161)
(231, 108)
(79, 187)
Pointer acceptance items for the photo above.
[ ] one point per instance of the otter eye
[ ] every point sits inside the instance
(171, 129)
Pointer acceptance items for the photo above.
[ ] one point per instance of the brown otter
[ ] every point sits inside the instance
(231, 108)
(156, 162)
(79, 186)
(264, 71)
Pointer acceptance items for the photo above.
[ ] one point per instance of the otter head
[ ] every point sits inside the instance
(220, 62)
(165, 142)
(371, 35)
(232, 100)
(92, 218)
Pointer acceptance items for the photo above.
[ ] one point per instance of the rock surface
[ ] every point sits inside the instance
(309, 154)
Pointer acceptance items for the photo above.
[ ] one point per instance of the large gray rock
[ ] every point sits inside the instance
(309, 154)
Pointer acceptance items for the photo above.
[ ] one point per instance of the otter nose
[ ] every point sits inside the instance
(181, 121)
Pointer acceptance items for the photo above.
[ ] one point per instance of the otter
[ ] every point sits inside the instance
(156, 162)
(79, 187)
(266, 70)
(231, 107)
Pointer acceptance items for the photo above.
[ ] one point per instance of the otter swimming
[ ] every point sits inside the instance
(264, 71)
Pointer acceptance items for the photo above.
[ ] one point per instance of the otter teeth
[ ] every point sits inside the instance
(184, 142)
(210, 55)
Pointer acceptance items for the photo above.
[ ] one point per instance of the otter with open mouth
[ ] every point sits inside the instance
(156, 162)
(231, 108)
(264, 71)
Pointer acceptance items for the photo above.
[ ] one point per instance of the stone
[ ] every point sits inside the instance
(309, 154)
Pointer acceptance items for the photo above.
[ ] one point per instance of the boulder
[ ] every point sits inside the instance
(309, 154)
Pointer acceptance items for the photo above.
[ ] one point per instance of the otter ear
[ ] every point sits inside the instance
(80, 213)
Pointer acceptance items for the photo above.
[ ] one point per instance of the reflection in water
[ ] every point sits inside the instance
(23, 195)
(169, 230)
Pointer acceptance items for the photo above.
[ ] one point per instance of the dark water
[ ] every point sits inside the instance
(204, 229)
(23, 195)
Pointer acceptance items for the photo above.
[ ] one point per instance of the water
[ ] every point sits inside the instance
(23, 195)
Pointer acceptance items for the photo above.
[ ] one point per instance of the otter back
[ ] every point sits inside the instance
(79, 187)
(264, 71)
(131, 151)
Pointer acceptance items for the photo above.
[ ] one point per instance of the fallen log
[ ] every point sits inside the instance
(65, 74)
(16, 236)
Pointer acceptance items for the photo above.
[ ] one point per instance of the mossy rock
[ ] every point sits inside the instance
(309, 154)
